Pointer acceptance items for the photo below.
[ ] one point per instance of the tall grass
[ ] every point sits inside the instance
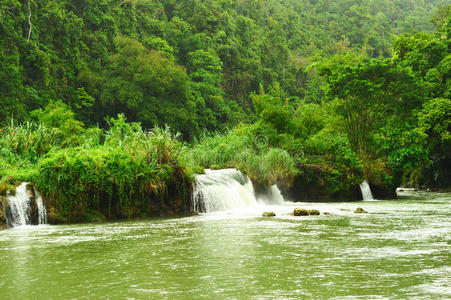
(124, 171)
(131, 172)
(23, 144)
(239, 149)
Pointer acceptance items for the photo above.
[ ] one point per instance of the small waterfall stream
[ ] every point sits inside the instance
(219, 190)
(228, 189)
(42, 212)
(25, 207)
(366, 191)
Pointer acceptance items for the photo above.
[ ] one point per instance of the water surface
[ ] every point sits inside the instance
(401, 249)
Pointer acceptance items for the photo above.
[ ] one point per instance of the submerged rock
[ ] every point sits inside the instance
(360, 210)
(268, 214)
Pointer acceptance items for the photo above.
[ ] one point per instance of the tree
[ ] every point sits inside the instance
(148, 88)
(365, 91)
(434, 121)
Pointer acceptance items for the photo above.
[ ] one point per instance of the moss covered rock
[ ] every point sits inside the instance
(360, 210)
(305, 212)
(269, 214)
(300, 212)
(313, 212)
(6, 188)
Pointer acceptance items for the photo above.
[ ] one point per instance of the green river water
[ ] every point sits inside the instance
(401, 249)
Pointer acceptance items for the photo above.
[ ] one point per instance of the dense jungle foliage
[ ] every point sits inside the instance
(327, 92)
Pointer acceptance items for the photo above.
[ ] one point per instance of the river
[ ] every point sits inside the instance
(401, 249)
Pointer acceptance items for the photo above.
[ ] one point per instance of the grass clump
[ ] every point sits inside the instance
(132, 173)
(240, 149)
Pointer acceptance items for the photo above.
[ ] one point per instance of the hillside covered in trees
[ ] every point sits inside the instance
(313, 94)
(189, 64)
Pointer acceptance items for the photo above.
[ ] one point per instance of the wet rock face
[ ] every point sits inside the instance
(34, 215)
(2, 215)
(383, 192)
(302, 191)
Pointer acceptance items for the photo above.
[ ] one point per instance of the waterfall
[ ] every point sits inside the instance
(42, 212)
(219, 190)
(19, 207)
(273, 196)
(366, 191)
(25, 207)
(229, 189)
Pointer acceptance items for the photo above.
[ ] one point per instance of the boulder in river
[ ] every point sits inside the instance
(300, 212)
(268, 214)
(360, 210)
(313, 212)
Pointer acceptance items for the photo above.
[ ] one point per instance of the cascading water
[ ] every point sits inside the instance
(219, 190)
(22, 207)
(42, 212)
(366, 191)
(229, 189)
(19, 207)
(273, 196)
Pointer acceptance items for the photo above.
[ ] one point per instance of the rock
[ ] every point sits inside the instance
(360, 210)
(313, 212)
(300, 212)
(4, 188)
(326, 213)
(268, 214)
(305, 212)
(2, 216)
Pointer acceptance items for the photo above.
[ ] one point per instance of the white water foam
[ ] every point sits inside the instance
(19, 207)
(220, 190)
(230, 190)
(366, 191)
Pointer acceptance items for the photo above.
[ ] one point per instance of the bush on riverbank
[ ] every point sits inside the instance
(123, 172)
(132, 173)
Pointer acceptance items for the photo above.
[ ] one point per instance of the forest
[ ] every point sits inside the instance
(107, 103)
